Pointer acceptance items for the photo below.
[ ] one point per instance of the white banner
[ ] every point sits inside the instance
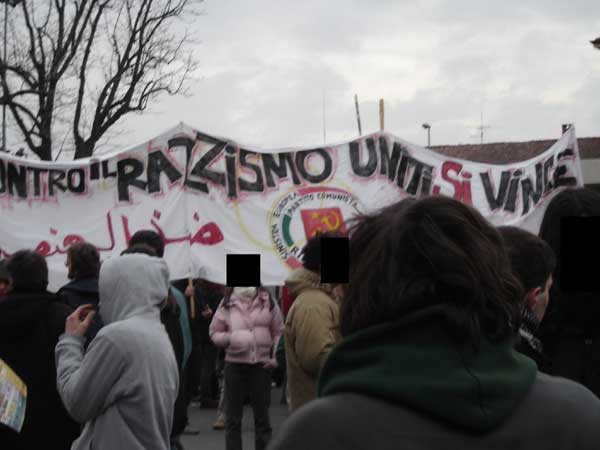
(209, 196)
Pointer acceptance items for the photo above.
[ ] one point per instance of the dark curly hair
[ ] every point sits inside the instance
(139, 248)
(151, 238)
(85, 261)
(28, 271)
(531, 258)
(435, 251)
(311, 252)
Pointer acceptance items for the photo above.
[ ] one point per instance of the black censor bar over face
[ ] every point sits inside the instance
(579, 252)
(335, 260)
(243, 270)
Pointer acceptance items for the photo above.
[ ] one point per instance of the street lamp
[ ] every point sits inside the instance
(427, 127)
(596, 43)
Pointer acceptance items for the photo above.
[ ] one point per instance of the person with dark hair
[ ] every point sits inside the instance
(174, 317)
(139, 248)
(533, 262)
(193, 309)
(248, 325)
(570, 331)
(31, 320)
(209, 296)
(125, 385)
(83, 264)
(204, 372)
(83, 261)
(150, 238)
(28, 271)
(428, 321)
(311, 325)
(4, 280)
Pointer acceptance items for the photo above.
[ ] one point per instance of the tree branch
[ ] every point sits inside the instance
(82, 77)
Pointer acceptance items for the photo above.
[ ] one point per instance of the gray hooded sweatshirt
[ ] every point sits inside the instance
(124, 387)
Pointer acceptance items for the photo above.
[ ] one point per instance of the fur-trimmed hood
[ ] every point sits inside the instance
(301, 280)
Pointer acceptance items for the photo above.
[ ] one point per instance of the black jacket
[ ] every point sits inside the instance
(211, 298)
(30, 324)
(82, 292)
(169, 316)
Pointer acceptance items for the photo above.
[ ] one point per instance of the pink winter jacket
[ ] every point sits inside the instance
(248, 331)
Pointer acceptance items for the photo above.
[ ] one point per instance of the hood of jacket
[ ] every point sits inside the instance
(414, 363)
(20, 312)
(132, 285)
(301, 280)
(244, 301)
(245, 293)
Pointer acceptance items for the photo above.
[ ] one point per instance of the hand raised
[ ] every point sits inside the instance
(79, 321)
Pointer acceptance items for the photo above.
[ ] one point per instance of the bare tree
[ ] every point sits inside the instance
(75, 68)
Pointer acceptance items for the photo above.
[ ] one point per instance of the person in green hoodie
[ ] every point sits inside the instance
(428, 322)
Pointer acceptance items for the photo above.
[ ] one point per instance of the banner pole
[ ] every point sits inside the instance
(192, 302)
(381, 115)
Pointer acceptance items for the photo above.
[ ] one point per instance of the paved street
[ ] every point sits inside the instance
(209, 439)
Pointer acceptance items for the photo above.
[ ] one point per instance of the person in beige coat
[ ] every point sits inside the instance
(311, 326)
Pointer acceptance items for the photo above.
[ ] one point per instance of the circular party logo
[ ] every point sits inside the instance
(302, 213)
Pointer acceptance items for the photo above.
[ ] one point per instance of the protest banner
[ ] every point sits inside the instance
(209, 196)
(13, 398)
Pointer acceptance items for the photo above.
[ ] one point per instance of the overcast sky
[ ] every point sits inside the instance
(264, 65)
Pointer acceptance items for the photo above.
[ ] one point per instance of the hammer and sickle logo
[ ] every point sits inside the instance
(331, 227)
(329, 222)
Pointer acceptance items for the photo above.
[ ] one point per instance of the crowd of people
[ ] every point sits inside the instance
(451, 333)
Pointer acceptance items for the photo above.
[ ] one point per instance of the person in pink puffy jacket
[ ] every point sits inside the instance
(248, 324)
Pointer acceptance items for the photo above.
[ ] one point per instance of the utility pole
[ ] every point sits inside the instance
(324, 123)
(357, 115)
(481, 128)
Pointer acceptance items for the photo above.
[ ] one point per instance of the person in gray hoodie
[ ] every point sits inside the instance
(124, 387)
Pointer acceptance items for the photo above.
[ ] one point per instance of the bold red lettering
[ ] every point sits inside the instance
(450, 166)
(466, 188)
(209, 234)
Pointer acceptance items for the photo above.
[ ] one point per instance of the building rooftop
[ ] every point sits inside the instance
(510, 152)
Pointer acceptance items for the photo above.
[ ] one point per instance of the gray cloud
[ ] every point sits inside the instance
(264, 65)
